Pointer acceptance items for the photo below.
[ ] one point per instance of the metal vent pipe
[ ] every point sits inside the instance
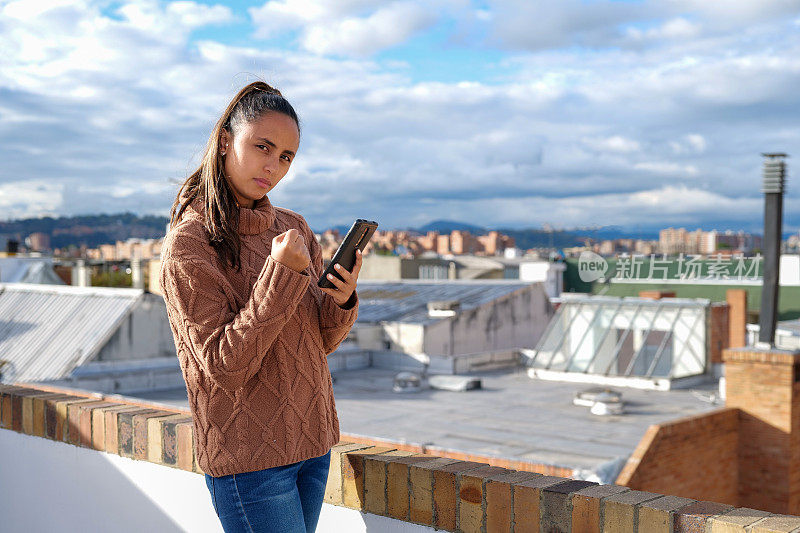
(773, 188)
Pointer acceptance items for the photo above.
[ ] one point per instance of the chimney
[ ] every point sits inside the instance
(737, 317)
(452, 270)
(81, 274)
(773, 187)
(718, 332)
(764, 384)
(137, 273)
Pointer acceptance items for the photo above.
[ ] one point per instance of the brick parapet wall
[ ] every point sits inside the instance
(749, 452)
(526, 466)
(737, 317)
(764, 384)
(752, 355)
(719, 331)
(446, 493)
(670, 455)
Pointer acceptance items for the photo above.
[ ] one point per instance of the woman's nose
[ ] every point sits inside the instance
(271, 164)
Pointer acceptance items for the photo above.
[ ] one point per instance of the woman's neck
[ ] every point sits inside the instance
(244, 202)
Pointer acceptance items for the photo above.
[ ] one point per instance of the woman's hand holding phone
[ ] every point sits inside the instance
(289, 248)
(344, 289)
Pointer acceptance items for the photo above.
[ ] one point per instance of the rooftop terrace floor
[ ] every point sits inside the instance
(512, 416)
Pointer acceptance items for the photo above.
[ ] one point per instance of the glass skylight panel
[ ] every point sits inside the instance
(625, 337)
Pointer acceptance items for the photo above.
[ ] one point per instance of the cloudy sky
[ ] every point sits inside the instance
(500, 113)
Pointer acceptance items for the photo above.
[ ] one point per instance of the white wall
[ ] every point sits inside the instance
(789, 270)
(144, 333)
(405, 337)
(376, 266)
(125, 376)
(52, 486)
(550, 274)
(514, 321)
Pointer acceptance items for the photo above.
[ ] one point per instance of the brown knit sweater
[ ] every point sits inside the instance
(253, 344)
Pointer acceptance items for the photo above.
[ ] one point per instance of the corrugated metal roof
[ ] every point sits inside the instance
(47, 330)
(28, 270)
(407, 300)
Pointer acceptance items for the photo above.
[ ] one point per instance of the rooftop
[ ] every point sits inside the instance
(407, 300)
(35, 317)
(512, 416)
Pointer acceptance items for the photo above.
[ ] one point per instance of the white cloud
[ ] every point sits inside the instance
(615, 143)
(67, 51)
(696, 141)
(483, 15)
(682, 200)
(384, 28)
(22, 198)
(175, 17)
(737, 12)
(554, 23)
(676, 28)
(671, 205)
(194, 15)
(609, 24)
(278, 16)
(691, 143)
(354, 27)
(665, 167)
(27, 10)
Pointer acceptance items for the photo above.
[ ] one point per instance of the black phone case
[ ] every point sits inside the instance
(357, 236)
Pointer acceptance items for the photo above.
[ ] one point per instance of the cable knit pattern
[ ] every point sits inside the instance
(253, 344)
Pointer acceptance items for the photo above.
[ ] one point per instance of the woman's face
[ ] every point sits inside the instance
(260, 155)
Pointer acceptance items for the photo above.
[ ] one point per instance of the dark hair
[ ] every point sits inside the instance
(209, 181)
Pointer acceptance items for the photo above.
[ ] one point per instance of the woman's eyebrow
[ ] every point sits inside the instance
(267, 141)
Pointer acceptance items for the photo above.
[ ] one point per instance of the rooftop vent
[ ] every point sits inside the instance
(454, 383)
(407, 382)
(601, 401)
(415, 382)
(439, 308)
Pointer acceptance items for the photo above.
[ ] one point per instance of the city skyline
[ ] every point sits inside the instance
(639, 231)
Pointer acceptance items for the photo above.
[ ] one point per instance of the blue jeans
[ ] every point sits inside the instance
(282, 498)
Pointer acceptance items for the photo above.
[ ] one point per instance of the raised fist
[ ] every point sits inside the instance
(289, 248)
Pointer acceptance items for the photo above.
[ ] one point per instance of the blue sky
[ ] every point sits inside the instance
(501, 113)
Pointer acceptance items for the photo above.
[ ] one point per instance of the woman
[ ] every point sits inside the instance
(252, 329)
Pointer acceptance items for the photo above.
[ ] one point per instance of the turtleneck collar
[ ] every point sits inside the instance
(257, 219)
(251, 221)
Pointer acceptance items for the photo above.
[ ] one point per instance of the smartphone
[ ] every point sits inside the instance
(357, 238)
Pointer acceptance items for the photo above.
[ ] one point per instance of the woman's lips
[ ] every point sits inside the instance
(264, 183)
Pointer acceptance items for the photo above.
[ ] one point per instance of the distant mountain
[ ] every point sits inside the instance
(448, 226)
(442, 226)
(341, 229)
(89, 230)
(539, 238)
(605, 233)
